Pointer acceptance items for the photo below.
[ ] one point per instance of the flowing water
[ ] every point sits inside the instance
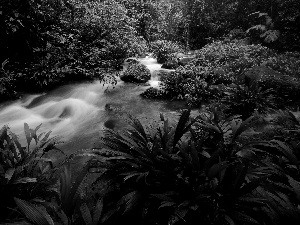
(79, 112)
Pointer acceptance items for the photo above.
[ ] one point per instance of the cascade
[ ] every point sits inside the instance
(77, 111)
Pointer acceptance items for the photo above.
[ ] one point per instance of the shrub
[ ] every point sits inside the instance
(215, 64)
(287, 63)
(246, 99)
(25, 173)
(194, 83)
(163, 50)
(227, 55)
(168, 176)
(286, 88)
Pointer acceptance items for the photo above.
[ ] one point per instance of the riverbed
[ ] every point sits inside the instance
(78, 113)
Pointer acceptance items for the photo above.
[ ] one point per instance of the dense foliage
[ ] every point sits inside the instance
(236, 161)
(243, 78)
(70, 41)
(202, 169)
(164, 50)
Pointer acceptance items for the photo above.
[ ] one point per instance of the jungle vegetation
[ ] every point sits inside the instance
(235, 162)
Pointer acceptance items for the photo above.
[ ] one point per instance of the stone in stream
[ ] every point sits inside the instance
(114, 107)
(136, 73)
(184, 61)
(171, 64)
(111, 123)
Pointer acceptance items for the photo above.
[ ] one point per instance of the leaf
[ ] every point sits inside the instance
(98, 211)
(38, 127)
(257, 27)
(163, 197)
(295, 185)
(9, 173)
(244, 218)
(65, 185)
(46, 137)
(166, 204)
(270, 35)
(194, 155)
(253, 200)
(184, 118)
(286, 151)
(27, 134)
(129, 201)
(229, 220)
(241, 176)
(19, 147)
(249, 187)
(136, 124)
(181, 212)
(240, 127)
(86, 214)
(25, 180)
(34, 213)
(63, 217)
(205, 154)
(77, 187)
(217, 168)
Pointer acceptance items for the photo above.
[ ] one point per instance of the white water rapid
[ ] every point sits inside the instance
(77, 112)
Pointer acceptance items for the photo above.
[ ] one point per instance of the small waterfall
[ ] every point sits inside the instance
(77, 111)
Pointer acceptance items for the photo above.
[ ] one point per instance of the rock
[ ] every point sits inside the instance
(136, 73)
(179, 55)
(284, 86)
(131, 60)
(184, 61)
(163, 73)
(111, 123)
(112, 107)
(171, 64)
(260, 74)
(154, 93)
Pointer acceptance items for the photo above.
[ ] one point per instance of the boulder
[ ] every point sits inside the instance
(284, 86)
(163, 73)
(260, 74)
(154, 93)
(114, 107)
(184, 61)
(171, 64)
(131, 60)
(136, 73)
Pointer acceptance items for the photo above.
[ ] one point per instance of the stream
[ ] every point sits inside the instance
(79, 112)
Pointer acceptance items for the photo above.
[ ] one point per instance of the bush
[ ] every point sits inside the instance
(223, 63)
(163, 50)
(234, 57)
(286, 88)
(244, 100)
(287, 63)
(194, 83)
(25, 173)
(168, 176)
(48, 46)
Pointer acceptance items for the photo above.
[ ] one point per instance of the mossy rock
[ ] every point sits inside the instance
(184, 61)
(154, 93)
(171, 64)
(136, 73)
(285, 87)
(113, 107)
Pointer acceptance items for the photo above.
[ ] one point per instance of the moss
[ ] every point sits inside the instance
(136, 73)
